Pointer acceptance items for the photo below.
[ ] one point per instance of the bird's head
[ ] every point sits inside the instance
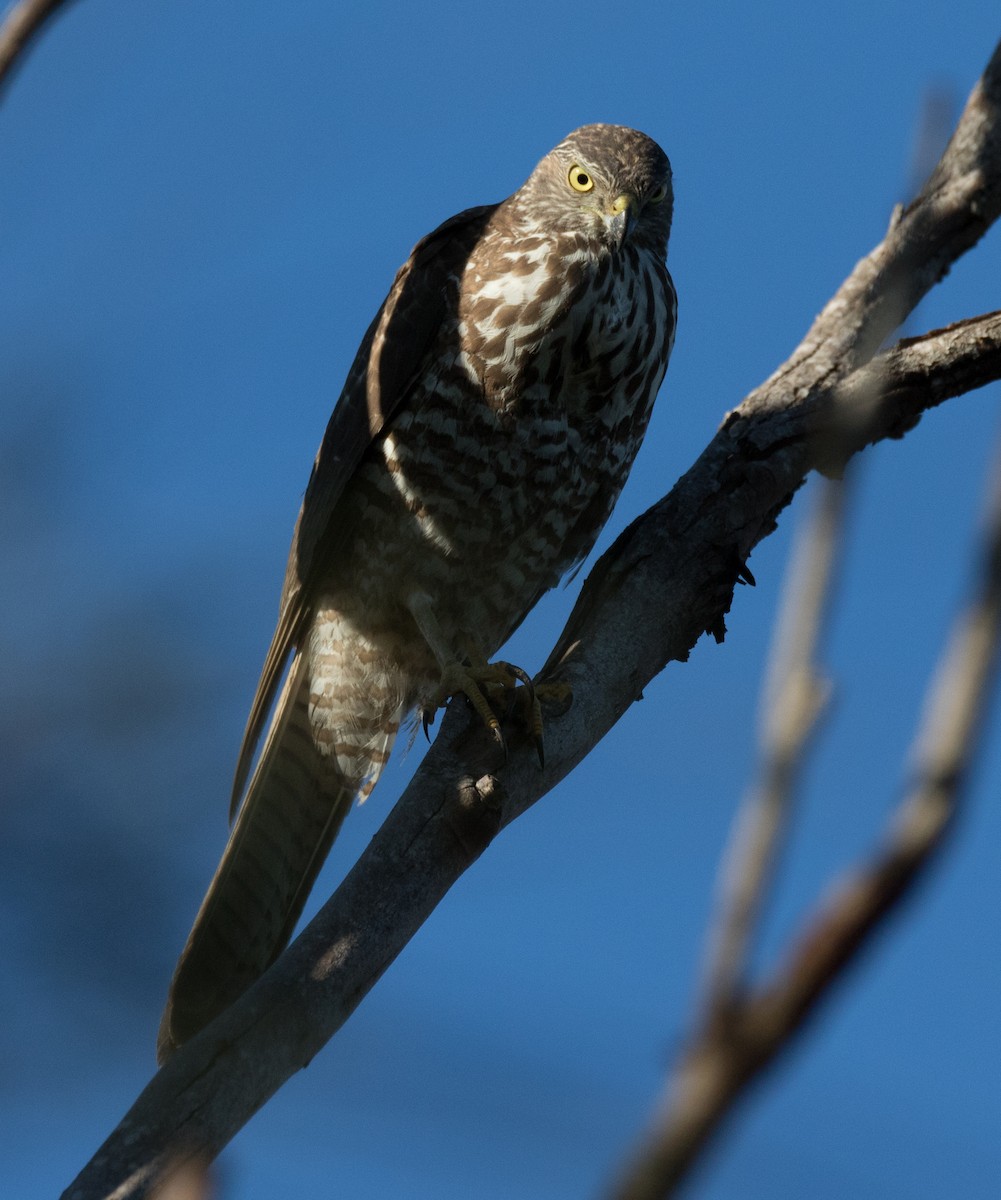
(608, 182)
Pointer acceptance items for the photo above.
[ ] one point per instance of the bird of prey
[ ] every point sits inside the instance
(485, 429)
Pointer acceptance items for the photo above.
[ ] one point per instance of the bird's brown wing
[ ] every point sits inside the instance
(389, 359)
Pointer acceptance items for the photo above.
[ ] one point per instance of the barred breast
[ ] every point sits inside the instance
(498, 475)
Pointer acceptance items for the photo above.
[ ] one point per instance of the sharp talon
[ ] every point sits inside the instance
(427, 720)
(523, 677)
(492, 691)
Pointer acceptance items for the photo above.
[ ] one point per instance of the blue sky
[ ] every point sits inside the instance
(201, 206)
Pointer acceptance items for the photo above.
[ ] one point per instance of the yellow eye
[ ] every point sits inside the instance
(657, 197)
(579, 179)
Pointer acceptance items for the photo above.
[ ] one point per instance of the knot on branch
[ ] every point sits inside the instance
(473, 814)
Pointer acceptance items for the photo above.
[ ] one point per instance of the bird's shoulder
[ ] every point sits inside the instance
(385, 366)
(388, 361)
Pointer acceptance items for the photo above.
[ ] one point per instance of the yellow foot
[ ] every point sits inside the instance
(492, 690)
(487, 687)
(556, 698)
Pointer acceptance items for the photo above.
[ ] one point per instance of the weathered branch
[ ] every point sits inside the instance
(648, 600)
(731, 1048)
(20, 26)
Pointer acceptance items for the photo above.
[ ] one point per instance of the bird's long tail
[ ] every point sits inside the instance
(295, 804)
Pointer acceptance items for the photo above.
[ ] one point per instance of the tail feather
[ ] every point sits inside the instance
(294, 807)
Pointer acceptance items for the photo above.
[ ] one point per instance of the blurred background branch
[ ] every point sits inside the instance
(740, 1030)
(741, 1027)
(795, 697)
(21, 24)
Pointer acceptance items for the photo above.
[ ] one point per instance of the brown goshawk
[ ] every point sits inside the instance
(485, 429)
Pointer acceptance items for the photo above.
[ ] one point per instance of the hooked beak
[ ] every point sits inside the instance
(622, 216)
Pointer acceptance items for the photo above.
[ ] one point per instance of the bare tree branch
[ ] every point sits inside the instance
(22, 23)
(667, 579)
(730, 1049)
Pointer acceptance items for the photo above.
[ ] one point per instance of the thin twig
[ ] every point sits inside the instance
(795, 696)
(20, 26)
(724, 1058)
